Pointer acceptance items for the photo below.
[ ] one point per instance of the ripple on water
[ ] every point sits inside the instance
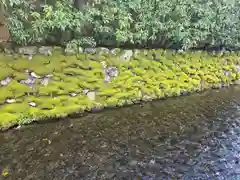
(194, 137)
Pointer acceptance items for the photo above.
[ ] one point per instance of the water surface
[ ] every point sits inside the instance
(192, 137)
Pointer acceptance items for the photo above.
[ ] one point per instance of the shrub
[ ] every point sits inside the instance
(163, 23)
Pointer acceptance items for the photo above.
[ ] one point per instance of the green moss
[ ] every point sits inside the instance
(86, 85)
(59, 76)
(19, 65)
(25, 64)
(51, 90)
(135, 79)
(70, 85)
(44, 70)
(159, 93)
(7, 120)
(227, 68)
(195, 82)
(122, 95)
(5, 59)
(93, 79)
(56, 78)
(60, 112)
(20, 75)
(141, 78)
(33, 99)
(139, 71)
(15, 108)
(32, 114)
(41, 59)
(112, 101)
(211, 79)
(74, 71)
(84, 65)
(175, 92)
(48, 103)
(233, 76)
(74, 100)
(5, 94)
(149, 91)
(5, 72)
(95, 65)
(19, 89)
(86, 104)
(183, 77)
(98, 72)
(108, 92)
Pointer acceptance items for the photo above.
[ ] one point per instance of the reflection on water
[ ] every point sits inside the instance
(192, 137)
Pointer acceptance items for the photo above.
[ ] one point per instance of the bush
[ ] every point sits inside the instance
(162, 23)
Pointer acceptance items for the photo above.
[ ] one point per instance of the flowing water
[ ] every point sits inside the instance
(193, 137)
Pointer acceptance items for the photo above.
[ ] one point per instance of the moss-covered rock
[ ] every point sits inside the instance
(146, 75)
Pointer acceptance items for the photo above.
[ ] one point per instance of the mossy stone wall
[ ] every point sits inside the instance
(55, 86)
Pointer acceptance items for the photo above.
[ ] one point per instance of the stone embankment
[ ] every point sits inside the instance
(42, 83)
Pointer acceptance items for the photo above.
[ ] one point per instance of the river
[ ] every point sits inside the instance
(191, 138)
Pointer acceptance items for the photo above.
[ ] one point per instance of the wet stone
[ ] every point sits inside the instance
(44, 81)
(238, 68)
(34, 75)
(49, 75)
(107, 78)
(45, 50)
(115, 51)
(11, 101)
(73, 94)
(85, 91)
(69, 51)
(136, 52)
(227, 73)
(91, 95)
(102, 50)
(90, 50)
(6, 81)
(30, 57)
(126, 55)
(29, 82)
(32, 104)
(80, 50)
(29, 50)
(111, 71)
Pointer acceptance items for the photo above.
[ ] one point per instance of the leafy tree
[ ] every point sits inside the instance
(165, 23)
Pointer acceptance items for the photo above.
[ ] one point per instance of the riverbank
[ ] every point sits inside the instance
(40, 87)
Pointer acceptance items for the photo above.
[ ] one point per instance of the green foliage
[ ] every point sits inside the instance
(166, 23)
